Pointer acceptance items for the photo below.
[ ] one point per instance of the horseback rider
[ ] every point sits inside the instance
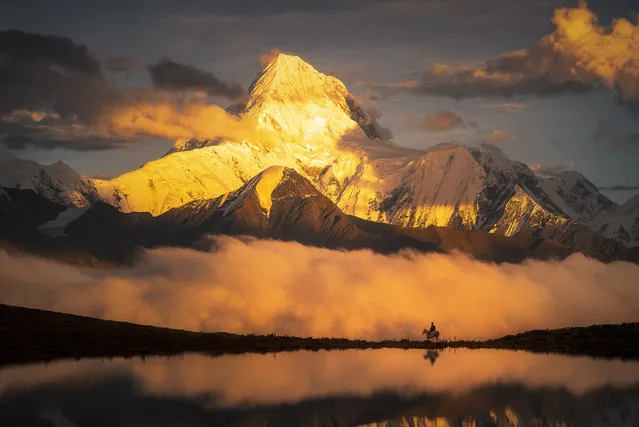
(432, 327)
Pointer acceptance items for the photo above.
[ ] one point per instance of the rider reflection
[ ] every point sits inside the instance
(431, 355)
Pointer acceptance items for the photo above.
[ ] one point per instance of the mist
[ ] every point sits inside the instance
(263, 286)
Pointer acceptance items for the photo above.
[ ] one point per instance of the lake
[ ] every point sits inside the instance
(387, 387)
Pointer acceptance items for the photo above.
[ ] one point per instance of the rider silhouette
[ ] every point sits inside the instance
(432, 327)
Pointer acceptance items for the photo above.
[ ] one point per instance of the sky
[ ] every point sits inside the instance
(431, 71)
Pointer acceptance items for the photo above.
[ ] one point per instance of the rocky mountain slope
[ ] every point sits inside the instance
(57, 182)
(622, 223)
(278, 203)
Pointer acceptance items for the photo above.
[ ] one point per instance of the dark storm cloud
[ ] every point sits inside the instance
(170, 75)
(54, 94)
(52, 90)
(32, 48)
(39, 72)
(120, 64)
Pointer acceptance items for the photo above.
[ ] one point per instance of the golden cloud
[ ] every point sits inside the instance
(192, 120)
(499, 135)
(259, 286)
(579, 55)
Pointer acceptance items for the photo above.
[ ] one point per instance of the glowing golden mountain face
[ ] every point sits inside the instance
(311, 119)
(300, 103)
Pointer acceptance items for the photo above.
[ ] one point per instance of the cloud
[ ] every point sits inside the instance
(498, 135)
(578, 56)
(620, 188)
(441, 121)
(374, 114)
(259, 286)
(503, 136)
(509, 108)
(52, 74)
(552, 170)
(25, 47)
(52, 89)
(170, 75)
(188, 120)
(43, 130)
(606, 136)
(603, 133)
(55, 96)
(119, 64)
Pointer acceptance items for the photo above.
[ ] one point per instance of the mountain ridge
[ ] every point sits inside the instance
(324, 135)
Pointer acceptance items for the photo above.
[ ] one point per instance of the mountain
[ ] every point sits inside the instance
(57, 182)
(278, 203)
(621, 223)
(305, 112)
(326, 137)
(316, 128)
(576, 196)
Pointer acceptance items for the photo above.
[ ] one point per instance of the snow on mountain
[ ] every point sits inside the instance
(621, 223)
(57, 182)
(55, 227)
(326, 137)
(308, 111)
(575, 195)
(302, 104)
(181, 177)
(262, 186)
(523, 210)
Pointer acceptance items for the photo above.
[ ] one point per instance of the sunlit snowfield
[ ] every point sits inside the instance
(379, 387)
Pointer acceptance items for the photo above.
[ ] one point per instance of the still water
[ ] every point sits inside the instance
(326, 388)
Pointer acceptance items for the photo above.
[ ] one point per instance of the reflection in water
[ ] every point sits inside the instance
(355, 387)
(431, 355)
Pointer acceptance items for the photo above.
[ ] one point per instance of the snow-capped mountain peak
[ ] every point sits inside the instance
(575, 195)
(57, 182)
(300, 103)
(622, 223)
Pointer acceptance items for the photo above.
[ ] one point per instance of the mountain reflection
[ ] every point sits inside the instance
(372, 387)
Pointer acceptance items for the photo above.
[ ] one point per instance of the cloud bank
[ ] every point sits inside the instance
(258, 286)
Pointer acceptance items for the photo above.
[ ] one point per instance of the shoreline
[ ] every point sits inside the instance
(33, 335)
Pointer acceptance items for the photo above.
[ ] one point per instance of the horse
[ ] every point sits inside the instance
(429, 335)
